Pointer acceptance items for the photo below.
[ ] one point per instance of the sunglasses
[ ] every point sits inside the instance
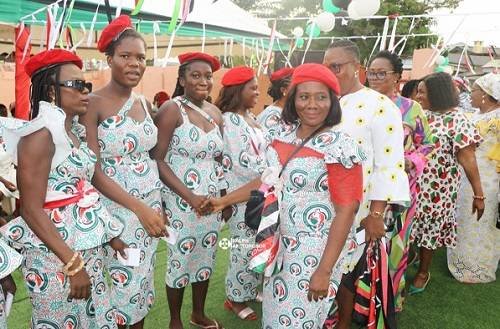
(336, 67)
(77, 84)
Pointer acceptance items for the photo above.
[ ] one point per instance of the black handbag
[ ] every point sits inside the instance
(255, 204)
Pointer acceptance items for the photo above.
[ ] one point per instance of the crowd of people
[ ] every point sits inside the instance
(349, 177)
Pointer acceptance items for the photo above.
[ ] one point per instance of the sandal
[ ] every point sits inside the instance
(216, 325)
(246, 314)
(414, 290)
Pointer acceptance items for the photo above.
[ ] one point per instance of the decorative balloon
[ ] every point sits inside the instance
(325, 21)
(342, 4)
(298, 32)
(352, 11)
(299, 42)
(313, 29)
(441, 60)
(365, 7)
(329, 7)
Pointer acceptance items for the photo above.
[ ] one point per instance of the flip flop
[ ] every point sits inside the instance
(259, 298)
(244, 314)
(216, 325)
(414, 290)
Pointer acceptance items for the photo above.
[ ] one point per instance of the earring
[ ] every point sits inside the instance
(356, 74)
(482, 100)
(284, 94)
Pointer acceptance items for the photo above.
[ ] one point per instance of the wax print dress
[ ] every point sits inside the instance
(191, 155)
(476, 257)
(417, 146)
(85, 225)
(306, 213)
(9, 261)
(124, 145)
(243, 161)
(270, 118)
(435, 224)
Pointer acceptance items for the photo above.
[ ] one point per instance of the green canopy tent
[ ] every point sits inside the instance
(223, 19)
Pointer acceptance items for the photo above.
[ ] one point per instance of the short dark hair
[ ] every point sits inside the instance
(409, 87)
(230, 98)
(274, 89)
(394, 59)
(41, 83)
(290, 116)
(3, 110)
(441, 91)
(348, 45)
(129, 33)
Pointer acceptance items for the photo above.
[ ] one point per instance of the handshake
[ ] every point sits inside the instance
(205, 205)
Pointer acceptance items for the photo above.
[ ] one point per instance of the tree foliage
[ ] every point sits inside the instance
(283, 9)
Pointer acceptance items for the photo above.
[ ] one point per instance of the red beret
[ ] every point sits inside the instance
(237, 76)
(50, 58)
(161, 97)
(282, 73)
(113, 31)
(197, 56)
(316, 72)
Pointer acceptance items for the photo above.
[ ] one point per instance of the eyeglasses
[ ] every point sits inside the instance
(379, 75)
(77, 84)
(336, 67)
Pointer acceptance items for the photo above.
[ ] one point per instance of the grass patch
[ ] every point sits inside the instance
(446, 304)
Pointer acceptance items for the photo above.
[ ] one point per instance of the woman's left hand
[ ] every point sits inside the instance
(478, 205)
(119, 246)
(318, 285)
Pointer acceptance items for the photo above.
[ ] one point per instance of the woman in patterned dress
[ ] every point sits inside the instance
(319, 193)
(188, 154)
(455, 139)
(243, 161)
(384, 73)
(476, 256)
(121, 132)
(64, 226)
(280, 80)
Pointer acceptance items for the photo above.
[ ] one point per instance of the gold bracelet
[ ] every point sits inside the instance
(76, 270)
(70, 263)
(378, 214)
(479, 197)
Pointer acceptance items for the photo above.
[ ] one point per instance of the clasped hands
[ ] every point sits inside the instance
(205, 204)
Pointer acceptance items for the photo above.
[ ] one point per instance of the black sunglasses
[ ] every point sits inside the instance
(77, 84)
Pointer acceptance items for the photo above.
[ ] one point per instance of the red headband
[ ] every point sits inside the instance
(237, 76)
(49, 58)
(193, 56)
(316, 72)
(281, 73)
(113, 31)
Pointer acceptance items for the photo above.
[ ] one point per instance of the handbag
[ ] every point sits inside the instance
(255, 204)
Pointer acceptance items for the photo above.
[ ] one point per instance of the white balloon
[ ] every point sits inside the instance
(352, 11)
(440, 60)
(325, 21)
(298, 32)
(365, 7)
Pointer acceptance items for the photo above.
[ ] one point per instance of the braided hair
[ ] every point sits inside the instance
(41, 83)
(179, 90)
(274, 89)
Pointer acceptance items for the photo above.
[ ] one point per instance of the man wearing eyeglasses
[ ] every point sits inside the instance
(375, 123)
